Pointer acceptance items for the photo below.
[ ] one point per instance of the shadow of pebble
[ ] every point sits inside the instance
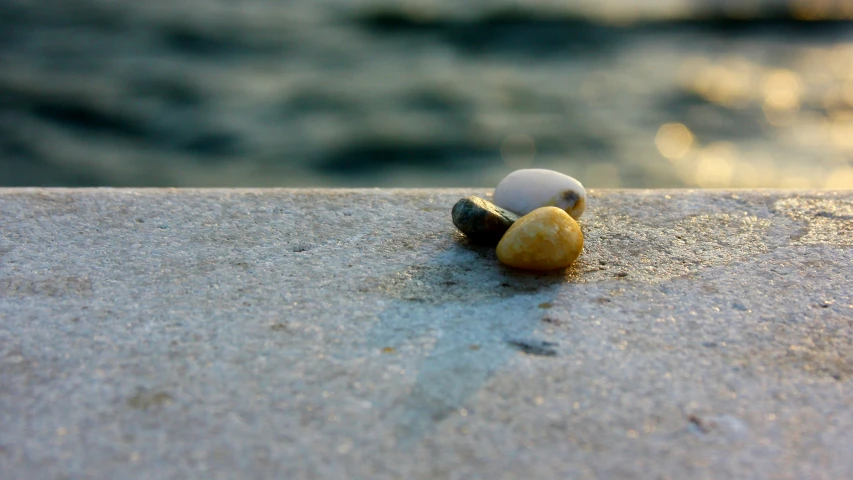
(460, 297)
(471, 273)
(440, 284)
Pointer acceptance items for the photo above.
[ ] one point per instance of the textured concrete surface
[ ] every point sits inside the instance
(355, 334)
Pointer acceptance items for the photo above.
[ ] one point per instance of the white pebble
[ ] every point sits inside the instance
(523, 191)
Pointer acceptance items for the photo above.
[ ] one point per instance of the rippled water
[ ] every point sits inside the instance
(425, 93)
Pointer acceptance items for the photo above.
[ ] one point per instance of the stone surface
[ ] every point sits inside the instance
(523, 191)
(356, 334)
(544, 239)
(481, 220)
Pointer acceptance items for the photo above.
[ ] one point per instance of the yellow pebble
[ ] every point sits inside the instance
(544, 239)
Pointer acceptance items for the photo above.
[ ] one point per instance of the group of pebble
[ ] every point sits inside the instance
(532, 219)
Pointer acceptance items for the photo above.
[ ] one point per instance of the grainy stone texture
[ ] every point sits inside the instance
(354, 334)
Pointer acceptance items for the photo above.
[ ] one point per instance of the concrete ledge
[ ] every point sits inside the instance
(354, 334)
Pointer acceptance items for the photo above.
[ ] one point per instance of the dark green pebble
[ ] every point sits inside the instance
(481, 220)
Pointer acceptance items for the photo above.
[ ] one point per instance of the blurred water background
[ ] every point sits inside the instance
(426, 93)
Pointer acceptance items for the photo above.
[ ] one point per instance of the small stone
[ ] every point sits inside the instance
(481, 220)
(544, 239)
(523, 191)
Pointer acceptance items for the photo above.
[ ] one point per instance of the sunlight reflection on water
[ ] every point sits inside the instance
(428, 93)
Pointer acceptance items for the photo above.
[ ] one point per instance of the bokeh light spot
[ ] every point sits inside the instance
(781, 90)
(729, 83)
(715, 165)
(674, 140)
